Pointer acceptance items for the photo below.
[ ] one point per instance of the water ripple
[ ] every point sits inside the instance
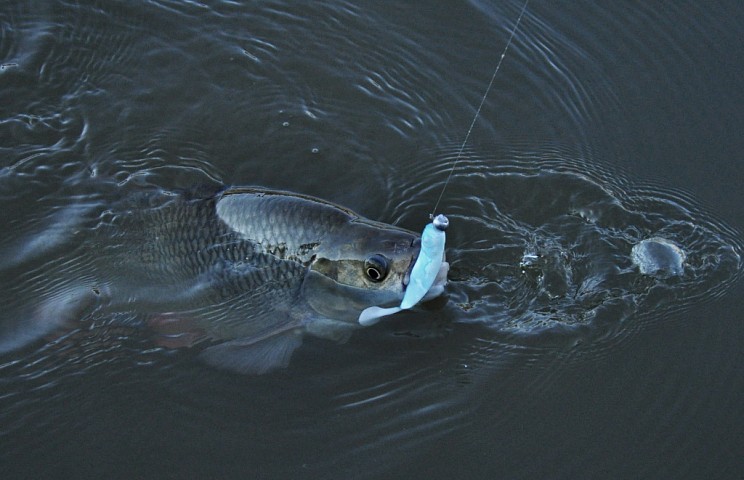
(101, 99)
(545, 242)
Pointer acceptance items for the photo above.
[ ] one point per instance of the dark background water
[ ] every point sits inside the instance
(364, 104)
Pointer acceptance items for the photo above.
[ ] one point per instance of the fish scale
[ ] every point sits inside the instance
(268, 218)
(184, 238)
(249, 268)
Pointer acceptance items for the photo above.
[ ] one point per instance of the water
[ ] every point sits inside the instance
(552, 356)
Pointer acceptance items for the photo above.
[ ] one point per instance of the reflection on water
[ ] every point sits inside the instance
(556, 354)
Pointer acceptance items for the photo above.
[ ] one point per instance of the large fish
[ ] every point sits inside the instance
(248, 270)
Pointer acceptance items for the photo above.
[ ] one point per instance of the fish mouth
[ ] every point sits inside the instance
(372, 314)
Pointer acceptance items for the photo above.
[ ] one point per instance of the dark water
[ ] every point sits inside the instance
(553, 356)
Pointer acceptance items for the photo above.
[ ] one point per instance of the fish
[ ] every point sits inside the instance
(245, 271)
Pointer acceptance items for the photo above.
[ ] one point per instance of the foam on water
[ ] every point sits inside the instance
(658, 257)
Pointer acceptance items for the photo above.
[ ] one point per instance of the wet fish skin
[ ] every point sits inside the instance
(251, 268)
(270, 264)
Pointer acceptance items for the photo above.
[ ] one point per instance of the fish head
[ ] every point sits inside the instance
(363, 264)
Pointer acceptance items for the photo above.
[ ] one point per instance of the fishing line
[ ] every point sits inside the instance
(477, 112)
(429, 271)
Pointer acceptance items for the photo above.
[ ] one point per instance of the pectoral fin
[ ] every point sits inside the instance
(252, 357)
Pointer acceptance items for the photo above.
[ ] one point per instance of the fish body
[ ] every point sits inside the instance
(247, 270)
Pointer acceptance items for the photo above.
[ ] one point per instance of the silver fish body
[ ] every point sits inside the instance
(248, 270)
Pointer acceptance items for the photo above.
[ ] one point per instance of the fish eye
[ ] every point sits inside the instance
(376, 268)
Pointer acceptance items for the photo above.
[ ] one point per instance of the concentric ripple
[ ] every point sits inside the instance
(559, 352)
(546, 243)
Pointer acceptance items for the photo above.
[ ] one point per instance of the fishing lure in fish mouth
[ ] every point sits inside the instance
(429, 262)
(423, 274)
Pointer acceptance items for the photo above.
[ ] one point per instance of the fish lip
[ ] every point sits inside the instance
(415, 243)
(407, 276)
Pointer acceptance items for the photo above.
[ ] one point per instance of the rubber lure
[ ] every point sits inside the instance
(423, 274)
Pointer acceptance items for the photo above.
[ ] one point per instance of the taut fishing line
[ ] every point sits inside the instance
(431, 257)
(480, 107)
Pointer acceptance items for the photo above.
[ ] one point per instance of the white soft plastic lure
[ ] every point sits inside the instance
(423, 274)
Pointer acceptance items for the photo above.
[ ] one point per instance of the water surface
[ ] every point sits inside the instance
(553, 354)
